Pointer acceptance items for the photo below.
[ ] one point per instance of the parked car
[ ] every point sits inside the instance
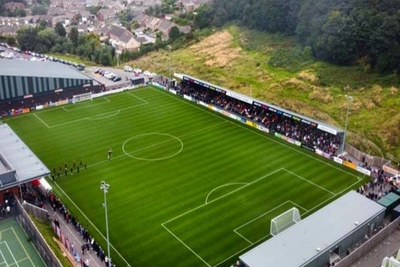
(80, 67)
(137, 70)
(116, 79)
(109, 75)
(127, 69)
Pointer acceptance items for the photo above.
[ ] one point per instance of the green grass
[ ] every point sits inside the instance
(189, 187)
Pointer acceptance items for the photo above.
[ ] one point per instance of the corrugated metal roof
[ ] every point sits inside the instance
(21, 159)
(305, 240)
(39, 69)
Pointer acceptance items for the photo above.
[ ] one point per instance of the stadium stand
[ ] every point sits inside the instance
(308, 134)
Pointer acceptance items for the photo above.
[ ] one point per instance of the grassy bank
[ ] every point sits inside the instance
(237, 59)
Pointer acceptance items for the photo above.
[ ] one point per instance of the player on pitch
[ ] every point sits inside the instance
(109, 154)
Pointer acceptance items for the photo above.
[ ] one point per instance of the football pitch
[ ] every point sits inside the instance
(188, 187)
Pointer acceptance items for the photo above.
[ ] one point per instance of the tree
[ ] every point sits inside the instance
(27, 37)
(336, 41)
(42, 24)
(20, 13)
(10, 40)
(46, 39)
(203, 17)
(105, 57)
(38, 10)
(74, 36)
(94, 9)
(60, 30)
(174, 33)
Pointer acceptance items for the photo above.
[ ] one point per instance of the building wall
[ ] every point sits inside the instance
(359, 235)
(44, 98)
(12, 87)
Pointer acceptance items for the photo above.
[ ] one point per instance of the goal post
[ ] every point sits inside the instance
(284, 221)
(82, 97)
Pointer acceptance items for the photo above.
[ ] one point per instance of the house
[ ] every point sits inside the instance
(103, 31)
(145, 39)
(64, 19)
(12, 6)
(8, 30)
(57, 3)
(92, 3)
(191, 5)
(85, 15)
(55, 11)
(37, 18)
(152, 23)
(117, 9)
(142, 19)
(82, 28)
(165, 27)
(105, 14)
(185, 29)
(123, 39)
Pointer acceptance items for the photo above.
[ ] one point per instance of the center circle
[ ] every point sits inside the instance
(152, 146)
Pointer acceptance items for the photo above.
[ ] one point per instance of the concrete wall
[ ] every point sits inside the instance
(369, 244)
(46, 97)
(346, 243)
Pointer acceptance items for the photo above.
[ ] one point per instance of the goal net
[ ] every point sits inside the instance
(284, 221)
(390, 262)
(82, 97)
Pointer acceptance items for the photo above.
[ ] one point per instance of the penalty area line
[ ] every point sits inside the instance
(183, 243)
(42, 121)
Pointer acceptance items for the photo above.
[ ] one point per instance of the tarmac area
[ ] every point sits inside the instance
(74, 237)
(387, 248)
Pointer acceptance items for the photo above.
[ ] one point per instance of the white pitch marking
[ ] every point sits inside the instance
(34, 114)
(302, 178)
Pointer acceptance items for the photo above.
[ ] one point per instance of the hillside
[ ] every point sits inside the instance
(237, 59)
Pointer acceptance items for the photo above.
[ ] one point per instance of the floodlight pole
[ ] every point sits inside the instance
(104, 187)
(169, 60)
(348, 99)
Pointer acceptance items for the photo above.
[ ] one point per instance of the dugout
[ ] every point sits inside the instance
(18, 164)
(137, 80)
(389, 201)
(395, 212)
(323, 237)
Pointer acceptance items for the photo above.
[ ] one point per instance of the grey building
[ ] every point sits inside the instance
(323, 237)
(18, 164)
(22, 79)
(25, 85)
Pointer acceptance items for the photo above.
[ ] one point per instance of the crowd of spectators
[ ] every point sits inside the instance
(89, 243)
(308, 134)
(380, 185)
(8, 203)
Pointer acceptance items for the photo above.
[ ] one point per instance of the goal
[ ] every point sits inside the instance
(284, 221)
(82, 97)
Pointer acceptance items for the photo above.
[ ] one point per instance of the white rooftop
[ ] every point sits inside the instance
(20, 158)
(302, 242)
(39, 69)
